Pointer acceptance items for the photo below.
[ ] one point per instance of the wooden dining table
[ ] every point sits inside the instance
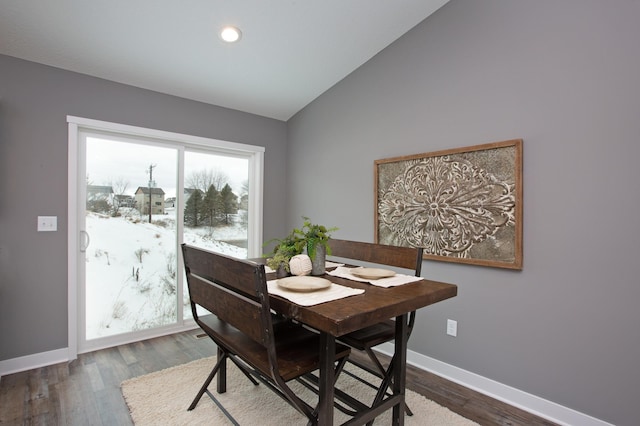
(339, 317)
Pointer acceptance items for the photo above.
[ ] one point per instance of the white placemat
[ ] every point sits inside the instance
(397, 279)
(334, 292)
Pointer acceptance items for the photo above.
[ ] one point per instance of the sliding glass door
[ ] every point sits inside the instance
(215, 201)
(131, 258)
(138, 200)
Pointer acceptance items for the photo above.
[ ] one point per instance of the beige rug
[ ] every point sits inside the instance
(163, 397)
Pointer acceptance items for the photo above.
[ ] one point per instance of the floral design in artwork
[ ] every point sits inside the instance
(446, 205)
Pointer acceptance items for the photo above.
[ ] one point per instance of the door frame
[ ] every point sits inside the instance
(255, 155)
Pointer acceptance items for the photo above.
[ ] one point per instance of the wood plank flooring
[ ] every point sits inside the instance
(87, 391)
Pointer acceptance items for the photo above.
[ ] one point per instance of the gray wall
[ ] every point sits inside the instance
(562, 75)
(34, 103)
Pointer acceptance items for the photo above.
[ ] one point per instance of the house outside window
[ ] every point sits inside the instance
(157, 200)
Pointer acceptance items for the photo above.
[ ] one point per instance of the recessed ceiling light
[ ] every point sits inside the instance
(230, 34)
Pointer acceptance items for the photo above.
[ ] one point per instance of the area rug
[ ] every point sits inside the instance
(163, 397)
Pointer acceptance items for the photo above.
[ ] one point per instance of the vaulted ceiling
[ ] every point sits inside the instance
(291, 51)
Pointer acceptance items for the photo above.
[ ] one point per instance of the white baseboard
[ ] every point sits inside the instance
(541, 407)
(43, 359)
(30, 362)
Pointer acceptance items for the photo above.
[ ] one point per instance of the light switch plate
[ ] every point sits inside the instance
(47, 223)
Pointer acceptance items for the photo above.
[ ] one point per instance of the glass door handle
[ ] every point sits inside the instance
(84, 241)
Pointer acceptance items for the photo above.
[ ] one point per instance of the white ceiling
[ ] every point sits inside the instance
(291, 50)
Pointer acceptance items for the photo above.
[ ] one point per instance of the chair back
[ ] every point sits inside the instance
(232, 289)
(400, 257)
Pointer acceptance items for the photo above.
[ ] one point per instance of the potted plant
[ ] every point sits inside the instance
(283, 251)
(316, 239)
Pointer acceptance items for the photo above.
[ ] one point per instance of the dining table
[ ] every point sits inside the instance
(336, 318)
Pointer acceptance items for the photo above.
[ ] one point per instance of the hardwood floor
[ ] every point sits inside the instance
(87, 390)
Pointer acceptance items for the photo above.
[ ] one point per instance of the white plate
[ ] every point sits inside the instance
(304, 283)
(372, 273)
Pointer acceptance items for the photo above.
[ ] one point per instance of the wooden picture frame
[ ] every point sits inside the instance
(462, 205)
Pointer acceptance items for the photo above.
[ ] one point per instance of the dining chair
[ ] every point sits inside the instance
(240, 322)
(367, 338)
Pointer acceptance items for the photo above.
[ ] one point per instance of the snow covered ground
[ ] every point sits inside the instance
(131, 269)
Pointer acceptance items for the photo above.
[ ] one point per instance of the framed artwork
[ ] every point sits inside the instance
(461, 205)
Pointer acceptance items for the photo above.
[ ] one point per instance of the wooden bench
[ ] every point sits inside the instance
(241, 323)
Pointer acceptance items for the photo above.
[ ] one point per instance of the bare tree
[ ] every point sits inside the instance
(244, 191)
(243, 205)
(119, 186)
(204, 178)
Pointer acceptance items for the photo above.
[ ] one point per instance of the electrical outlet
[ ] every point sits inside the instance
(452, 327)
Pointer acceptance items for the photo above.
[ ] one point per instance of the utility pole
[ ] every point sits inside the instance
(151, 167)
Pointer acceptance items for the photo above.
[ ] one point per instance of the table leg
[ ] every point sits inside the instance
(326, 391)
(400, 369)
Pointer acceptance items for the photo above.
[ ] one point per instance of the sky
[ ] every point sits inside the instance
(110, 161)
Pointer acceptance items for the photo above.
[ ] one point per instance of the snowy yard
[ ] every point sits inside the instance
(131, 270)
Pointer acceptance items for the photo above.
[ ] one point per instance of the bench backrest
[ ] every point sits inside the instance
(234, 290)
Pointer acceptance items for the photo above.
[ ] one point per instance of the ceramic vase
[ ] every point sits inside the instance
(281, 272)
(318, 261)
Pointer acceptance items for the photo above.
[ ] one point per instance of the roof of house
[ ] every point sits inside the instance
(99, 189)
(145, 190)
